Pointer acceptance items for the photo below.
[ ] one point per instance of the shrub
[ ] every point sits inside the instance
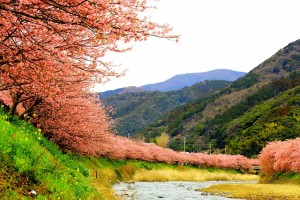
(126, 172)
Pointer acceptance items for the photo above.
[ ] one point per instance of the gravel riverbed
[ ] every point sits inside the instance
(167, 190)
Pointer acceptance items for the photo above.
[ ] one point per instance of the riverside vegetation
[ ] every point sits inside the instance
(31, 162)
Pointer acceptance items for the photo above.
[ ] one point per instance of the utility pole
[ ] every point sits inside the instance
(184, 144)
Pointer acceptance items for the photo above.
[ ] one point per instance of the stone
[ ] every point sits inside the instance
(204, 194)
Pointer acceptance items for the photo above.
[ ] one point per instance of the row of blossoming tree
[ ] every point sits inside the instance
(51, 56)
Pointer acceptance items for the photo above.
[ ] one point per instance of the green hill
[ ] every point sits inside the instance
(275, 119)
(205, 122)
(136, 110)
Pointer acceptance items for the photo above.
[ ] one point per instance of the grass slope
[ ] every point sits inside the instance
(28, 162)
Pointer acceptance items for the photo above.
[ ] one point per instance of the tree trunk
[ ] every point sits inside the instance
(35, 102)
(15, 101)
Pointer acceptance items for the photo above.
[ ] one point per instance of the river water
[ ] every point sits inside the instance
(166, 190)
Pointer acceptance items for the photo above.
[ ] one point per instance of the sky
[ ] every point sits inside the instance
(214, 34)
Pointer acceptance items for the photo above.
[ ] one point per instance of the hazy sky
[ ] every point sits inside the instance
(230, 34)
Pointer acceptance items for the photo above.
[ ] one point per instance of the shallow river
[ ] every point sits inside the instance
(166, 190)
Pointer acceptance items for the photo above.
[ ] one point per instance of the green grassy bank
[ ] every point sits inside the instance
(29, 162)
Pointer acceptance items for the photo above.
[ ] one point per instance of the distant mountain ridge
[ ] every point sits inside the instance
(180, 81)
(183, 80)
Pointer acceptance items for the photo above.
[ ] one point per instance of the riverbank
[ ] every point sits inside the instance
(106, 172)
(256, 191)
(190, 174)
(165, 174)
(276, 186)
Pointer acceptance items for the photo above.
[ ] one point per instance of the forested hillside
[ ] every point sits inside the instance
(222, 122)
(275, 119)
(133, 111)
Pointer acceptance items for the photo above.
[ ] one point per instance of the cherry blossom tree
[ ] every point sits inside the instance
(51, 56)
(281, 156)
(41, 40)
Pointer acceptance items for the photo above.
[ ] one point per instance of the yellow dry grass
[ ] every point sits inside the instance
(102, 185)
(257, 191)
(189, 175)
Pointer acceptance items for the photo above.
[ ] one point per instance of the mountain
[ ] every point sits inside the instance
(183, 80)
(136, 110)
(179, 81)
(234, 118)
(120, 91)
